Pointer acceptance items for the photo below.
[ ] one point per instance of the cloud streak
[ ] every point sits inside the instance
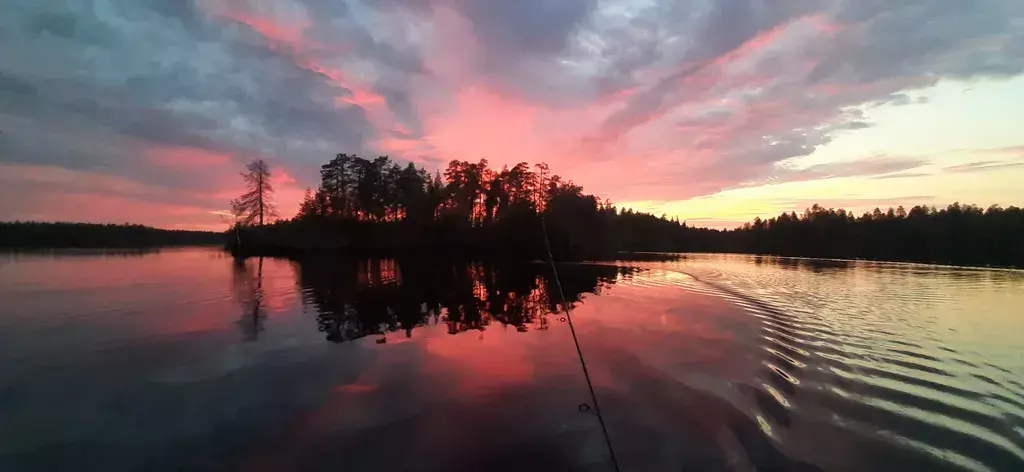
(876, 166)
(981, 166)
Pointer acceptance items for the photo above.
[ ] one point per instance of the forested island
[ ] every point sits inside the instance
(377, 206)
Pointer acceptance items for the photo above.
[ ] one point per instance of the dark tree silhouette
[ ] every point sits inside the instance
(376, 205)
(958, 234)
(248, 288)
(354, 298)
(30, 234)
(256, 205)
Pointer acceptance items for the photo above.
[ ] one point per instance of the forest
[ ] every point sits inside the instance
(957, 235)
(33, 235)
(377, 206)
(380, 206)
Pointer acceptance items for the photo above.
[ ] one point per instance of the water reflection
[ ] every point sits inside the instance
(187, 359)
(798, 263)
(915, 364)
(7, 253)
(354, 298)
(247, 281)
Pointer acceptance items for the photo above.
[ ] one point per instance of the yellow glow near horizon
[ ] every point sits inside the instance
(961, 123)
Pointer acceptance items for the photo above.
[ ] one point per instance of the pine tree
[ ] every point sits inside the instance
(255, 206)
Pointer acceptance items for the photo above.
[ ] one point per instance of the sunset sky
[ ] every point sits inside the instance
(145, 111)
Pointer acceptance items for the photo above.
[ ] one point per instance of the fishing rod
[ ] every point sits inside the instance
(579, 352)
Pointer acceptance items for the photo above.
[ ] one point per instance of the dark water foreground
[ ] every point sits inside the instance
(189, 360)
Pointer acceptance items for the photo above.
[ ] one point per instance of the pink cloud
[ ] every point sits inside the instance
(360, 95)
(509, 366)
(50, 193)
(96, 208)
(702, 81)
(288, 192)
(269, 28)
(288, 36)
(485, 124)
(280, 32)
(54, 177)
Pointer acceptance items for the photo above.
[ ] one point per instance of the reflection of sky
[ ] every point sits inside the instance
(151, 350)
(131, 360)
(713, 111)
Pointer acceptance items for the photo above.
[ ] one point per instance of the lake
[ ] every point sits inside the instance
(187, 359)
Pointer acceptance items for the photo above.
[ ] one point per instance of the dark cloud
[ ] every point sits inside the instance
(732, 23)
(512, 30)
(336, 24)
(12, 88)
(166, 73)
(913, 38)
(34, 180)
(729, 25)
(400, 103)
(859, 53)
(628, 49)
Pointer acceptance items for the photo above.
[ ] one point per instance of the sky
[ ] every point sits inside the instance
(714, 111)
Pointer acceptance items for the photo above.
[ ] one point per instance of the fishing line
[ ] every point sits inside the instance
(579, 352)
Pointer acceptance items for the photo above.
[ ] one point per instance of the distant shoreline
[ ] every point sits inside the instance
(957, 236)
(31, 235)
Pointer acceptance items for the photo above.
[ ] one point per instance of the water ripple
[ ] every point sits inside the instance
(902, 354)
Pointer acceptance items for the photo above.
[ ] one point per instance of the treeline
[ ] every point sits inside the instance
(32, 235)
(958, 235)
(377, 204)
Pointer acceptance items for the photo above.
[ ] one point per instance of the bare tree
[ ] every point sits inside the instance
(255, 206)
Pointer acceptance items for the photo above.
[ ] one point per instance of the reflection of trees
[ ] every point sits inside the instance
(813, 265)
(357, 298)
(248, 287)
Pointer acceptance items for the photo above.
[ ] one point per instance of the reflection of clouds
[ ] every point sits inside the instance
(505, 363)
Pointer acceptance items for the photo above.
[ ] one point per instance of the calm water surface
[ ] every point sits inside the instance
(187, 359)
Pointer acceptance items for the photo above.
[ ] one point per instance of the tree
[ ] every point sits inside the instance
(314, 205)
(337, 183)
(255, 206)
(378, 205)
